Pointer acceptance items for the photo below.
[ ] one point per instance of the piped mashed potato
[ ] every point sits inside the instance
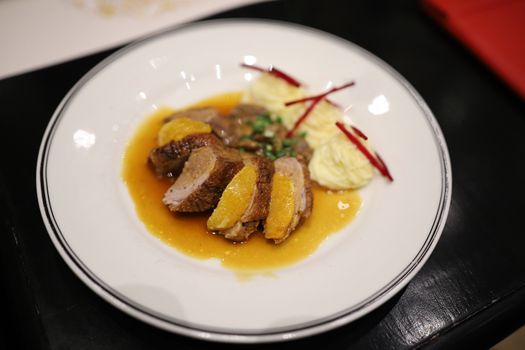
(336, 163)
(272, 93)
(319, 126)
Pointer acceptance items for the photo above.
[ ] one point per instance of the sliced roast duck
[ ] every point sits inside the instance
(205, 175)
(291, 200)
(168, 160)
(208, 171)
(244, 204)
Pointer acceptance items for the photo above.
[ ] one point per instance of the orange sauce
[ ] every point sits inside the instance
(188, 234)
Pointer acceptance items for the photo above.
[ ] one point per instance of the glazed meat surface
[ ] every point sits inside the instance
(257, 209)
(222, 126)
(205, 175)
(298, 173)
(168, 160)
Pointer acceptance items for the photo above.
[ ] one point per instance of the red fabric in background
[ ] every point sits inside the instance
(493, 29)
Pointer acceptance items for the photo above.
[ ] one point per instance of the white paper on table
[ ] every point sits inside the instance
(38, 33)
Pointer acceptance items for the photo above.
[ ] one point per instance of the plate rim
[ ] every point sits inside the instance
(227, 335)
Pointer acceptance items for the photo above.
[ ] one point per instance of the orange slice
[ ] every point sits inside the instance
(234, 200)
(282, 204)
(179, 128)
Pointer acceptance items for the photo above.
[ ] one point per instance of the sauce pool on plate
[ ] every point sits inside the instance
(332, 210)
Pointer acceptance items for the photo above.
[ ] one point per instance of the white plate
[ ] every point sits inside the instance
(92, 222)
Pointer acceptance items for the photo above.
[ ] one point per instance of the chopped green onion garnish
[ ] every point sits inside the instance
(290, 142)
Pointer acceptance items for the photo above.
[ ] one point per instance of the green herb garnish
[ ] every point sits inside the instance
(271, 146)
(290, 142)
(260, 123)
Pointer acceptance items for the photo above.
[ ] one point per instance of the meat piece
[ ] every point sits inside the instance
(303, 150)
(234, 129)
(235, 132)
(296, 174)
(240, 231)
(257, 206)
(205, 175)
(245, 112)
(301, 147)
(168, 160)
(250, 146)
(221, 125)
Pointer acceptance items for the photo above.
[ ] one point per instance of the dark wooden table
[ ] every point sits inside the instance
(471, 290)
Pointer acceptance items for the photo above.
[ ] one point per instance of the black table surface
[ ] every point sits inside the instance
(469, 293)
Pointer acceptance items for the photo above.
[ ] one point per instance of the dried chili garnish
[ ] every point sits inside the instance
(388, 175)
(275, 72)
(302, 117)
(314, 101)
(374, 159)
(359, 133)
(320, 96)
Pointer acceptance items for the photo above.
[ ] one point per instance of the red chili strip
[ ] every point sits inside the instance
(388, 175)
(303, 117)
(320, 96)
(359, 133)
(376, 161)
(315, 100)
(275, 72)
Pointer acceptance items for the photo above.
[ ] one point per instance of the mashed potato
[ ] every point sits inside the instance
(336, 163)
(319, 126)
(272, 93)
(339, 165)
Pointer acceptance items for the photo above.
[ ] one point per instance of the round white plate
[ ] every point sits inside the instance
(92, 222)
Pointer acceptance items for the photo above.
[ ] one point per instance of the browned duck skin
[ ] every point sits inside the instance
(297, 172)
(168, 160)
(257, 209)
(203, 179)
